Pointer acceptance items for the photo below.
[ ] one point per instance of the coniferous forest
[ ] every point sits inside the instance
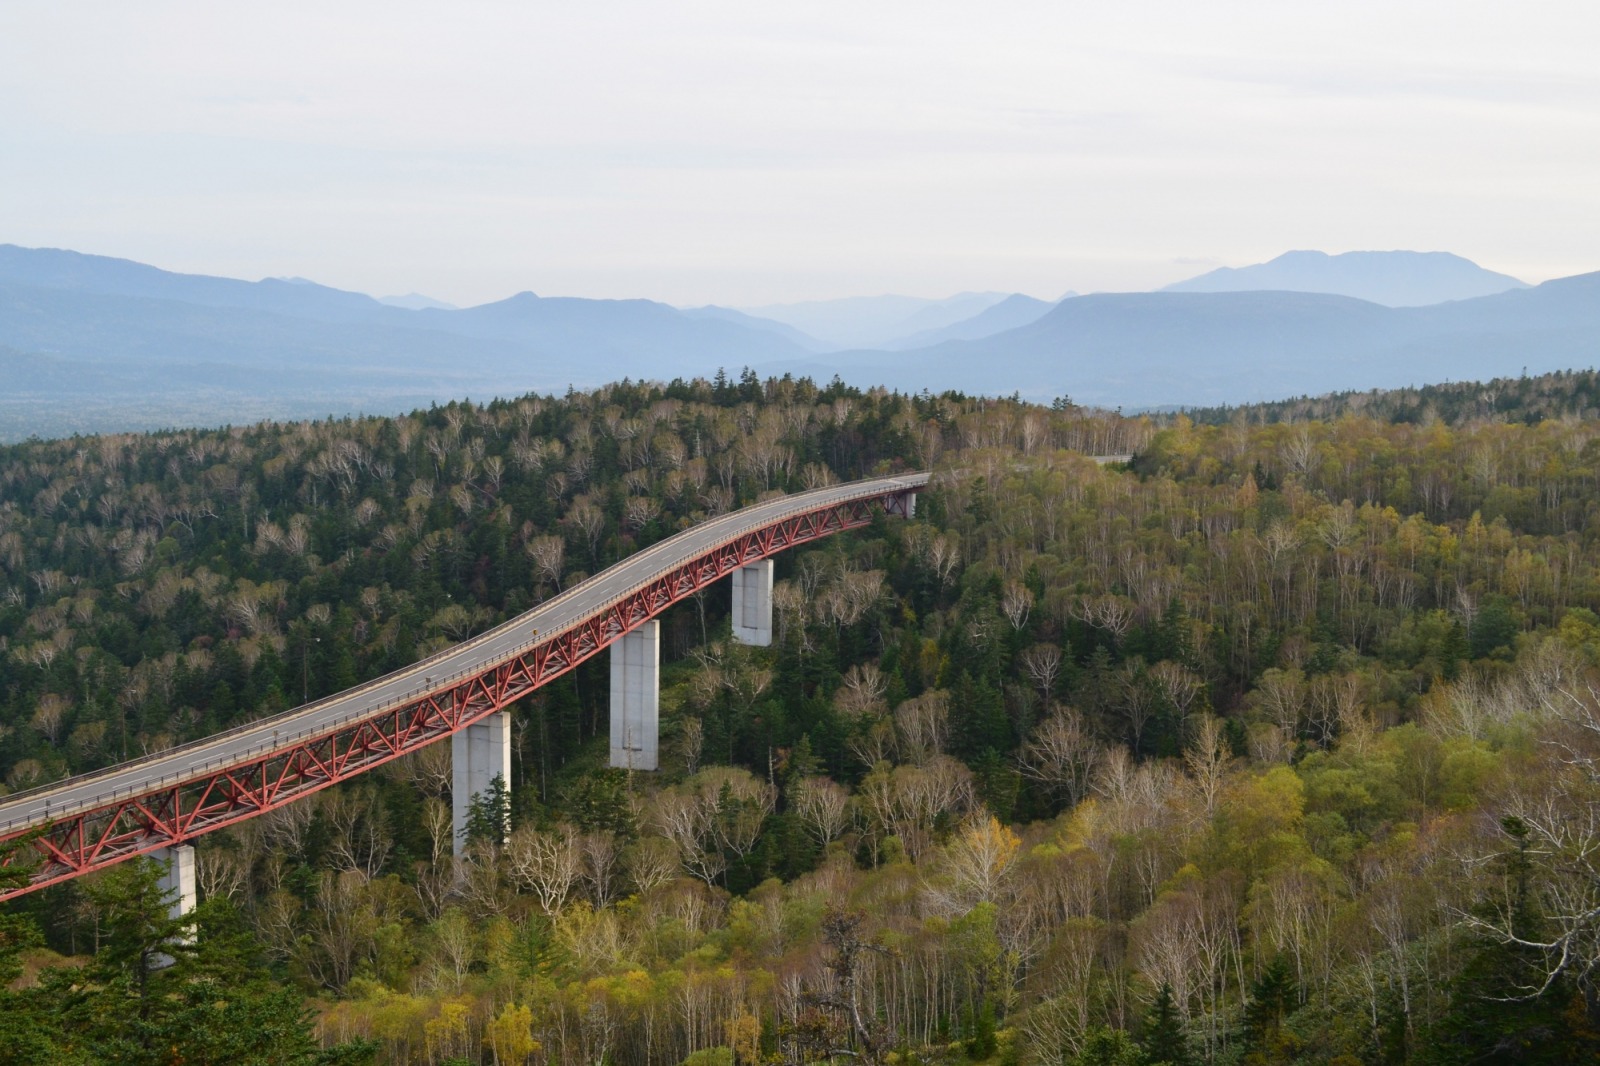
(1277, 744)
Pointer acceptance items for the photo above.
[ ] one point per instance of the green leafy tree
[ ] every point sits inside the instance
(1108, 1047)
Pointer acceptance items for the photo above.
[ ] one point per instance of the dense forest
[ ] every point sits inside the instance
(1565, 394)
(1277, 744)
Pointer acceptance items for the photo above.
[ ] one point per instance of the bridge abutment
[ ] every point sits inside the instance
(636, 698)
(752, 604)
(479, 753)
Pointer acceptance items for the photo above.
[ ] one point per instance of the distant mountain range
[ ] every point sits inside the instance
(1394, 279)
(782, 329)
(90, 343)
(144, 347)
(1202, 349)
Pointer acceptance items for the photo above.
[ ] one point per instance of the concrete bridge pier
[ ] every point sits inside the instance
(480, 753)
(636, 698)
(752, 604)
(178, 885)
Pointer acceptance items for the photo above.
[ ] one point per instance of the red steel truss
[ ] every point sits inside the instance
(176, 810)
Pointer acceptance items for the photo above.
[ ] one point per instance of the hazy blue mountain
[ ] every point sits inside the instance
(875, 321)
(89, 343)
(782, 329)
(1157, 349)
(55, 268)
(952, 309)
(613, 338)
(1139, 349)
(415, 301)
(579, 341)
(141, 331)
(1394, 279)
(1012, 312)
(149, 347)
(553, 342)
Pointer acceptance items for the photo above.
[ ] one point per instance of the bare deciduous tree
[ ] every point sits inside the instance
(601, 857)
(1178, 685)
(944, 556)
(1207, 760)
(221, 872)
(48, 716)
(650, 863)
(714, 816)
(694, 738)
(862, 690)
(1042, 664)
(1016, 603)
(360, 836)
(545, 864)
(974, 866)
(1110, 612)
(922, 726)
(1062, 753)
(548, 554)
(590, 521)
(822, 805)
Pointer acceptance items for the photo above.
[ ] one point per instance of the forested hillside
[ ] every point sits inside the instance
(1563, 394)
(1275, 746)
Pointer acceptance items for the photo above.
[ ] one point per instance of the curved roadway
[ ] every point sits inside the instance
(433, 674)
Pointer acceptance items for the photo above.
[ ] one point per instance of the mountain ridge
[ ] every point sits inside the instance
(1394, 278)
(1147, 350)
(1014, 311)
(308, 346)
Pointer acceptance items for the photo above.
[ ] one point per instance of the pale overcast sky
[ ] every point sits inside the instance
(747, 153)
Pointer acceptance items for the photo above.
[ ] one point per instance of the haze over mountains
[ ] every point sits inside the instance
(1014, 311)
(1180, 349)
(1394, 279)
(877, 321)
(91, 343)
(415, 301)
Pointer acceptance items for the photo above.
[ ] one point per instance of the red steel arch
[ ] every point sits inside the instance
(93, 821)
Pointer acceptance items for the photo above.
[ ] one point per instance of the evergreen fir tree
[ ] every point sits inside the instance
(489, 813)
(1273, 997)
(187, 989)
(802, 762)
(1165, 1041)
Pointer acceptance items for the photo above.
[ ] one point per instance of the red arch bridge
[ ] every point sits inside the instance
(157, 804)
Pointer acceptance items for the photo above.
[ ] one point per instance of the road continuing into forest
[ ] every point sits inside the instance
(94, 820)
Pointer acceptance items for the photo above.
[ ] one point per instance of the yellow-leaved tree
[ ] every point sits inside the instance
(510, 1036)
